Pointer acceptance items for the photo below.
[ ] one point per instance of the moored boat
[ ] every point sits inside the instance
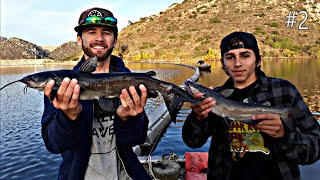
(203, 66)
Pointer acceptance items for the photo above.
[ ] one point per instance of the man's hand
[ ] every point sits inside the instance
(67, 98)
(270, 124)
(202, 109)
(131, 107)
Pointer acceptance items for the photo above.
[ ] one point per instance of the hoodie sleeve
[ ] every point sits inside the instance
(195, 133)
(133, 132)
(58, 132)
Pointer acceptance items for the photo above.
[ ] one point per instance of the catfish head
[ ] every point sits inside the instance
(38, 80)
(192, 88)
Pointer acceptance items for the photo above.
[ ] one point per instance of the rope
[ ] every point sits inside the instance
(149, 157)
(150, 167)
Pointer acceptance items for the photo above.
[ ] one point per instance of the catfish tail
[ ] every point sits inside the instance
(175, 99)
(292, 115)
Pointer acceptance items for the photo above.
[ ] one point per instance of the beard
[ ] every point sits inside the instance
(100, 57)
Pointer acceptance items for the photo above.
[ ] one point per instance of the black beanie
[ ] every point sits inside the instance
(248, 40)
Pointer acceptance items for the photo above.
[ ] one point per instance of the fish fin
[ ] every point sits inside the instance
(173, 108)
(150, 73)
(53, 92)
(175, 99)
(152, 94)
(251, 122)
(226, 92)
(293, 113)
(109, 104)
(89, 65)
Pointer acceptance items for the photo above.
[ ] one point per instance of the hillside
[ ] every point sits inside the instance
(67, 51)
(194, 29)
(15, 48)
(49, 48)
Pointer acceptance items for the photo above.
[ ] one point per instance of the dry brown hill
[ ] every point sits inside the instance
(194, 29)
(49, 48)
(67, 51)
(15, 48)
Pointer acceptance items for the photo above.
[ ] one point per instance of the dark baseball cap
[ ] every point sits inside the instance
(238, 40)
(96, 17)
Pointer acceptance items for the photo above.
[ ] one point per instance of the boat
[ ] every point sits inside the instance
(159, 120)
(203, 66)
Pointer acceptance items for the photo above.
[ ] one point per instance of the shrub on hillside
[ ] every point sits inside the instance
(147, 45)
(260, 15)
(166, 20)
(288, 53)
(212, 54)
(169, 28)
(259, 31)
(267, 54)
(185, 37)
(214, 20)
(272, 24)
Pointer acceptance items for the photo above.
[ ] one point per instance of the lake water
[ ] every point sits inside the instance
(24, 156)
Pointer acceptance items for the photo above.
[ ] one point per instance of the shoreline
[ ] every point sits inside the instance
(22, 62)
(27, 62)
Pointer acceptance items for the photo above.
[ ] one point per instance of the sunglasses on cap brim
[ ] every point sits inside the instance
(99, 20)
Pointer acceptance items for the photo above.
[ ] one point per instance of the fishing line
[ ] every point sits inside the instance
(9, 84)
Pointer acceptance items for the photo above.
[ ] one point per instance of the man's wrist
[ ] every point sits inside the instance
(73, 115)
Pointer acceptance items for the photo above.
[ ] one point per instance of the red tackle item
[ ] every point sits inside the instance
(196, 165)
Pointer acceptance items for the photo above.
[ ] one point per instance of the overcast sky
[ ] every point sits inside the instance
(51, 22)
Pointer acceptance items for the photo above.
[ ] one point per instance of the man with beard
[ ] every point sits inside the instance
(95, 137)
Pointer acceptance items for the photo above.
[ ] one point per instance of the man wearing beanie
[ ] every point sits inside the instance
(271, 149)
(95, 137)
